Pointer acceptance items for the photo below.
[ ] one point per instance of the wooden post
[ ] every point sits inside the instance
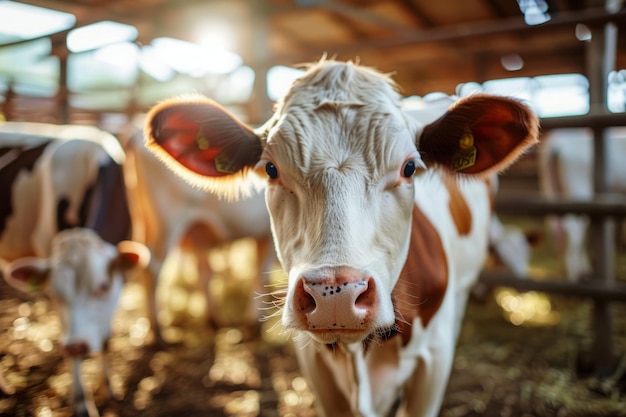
(600, 61)
(59, 49)
(260, 106)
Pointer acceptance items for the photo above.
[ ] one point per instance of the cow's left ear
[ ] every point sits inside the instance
(479, 135)
(130, 255)
(200, 140)
(29, 275)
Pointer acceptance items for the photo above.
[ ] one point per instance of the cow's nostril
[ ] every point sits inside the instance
(367, 298)
(305, 301)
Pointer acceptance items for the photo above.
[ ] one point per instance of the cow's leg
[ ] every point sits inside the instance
(576, 257)
(149, 283)
(330, 401)
(424, 390)
(83, 404)
(104, 391)
(205, 273)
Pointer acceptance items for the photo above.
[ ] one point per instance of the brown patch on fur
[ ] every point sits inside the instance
(459, 209)
(424, 277)
(491, 194)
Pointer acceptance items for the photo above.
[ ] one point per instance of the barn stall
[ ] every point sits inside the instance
(537, 346)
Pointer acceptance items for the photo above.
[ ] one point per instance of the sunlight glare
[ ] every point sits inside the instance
(217, 35)
(279, 79)
(193, 59)
(151, 64)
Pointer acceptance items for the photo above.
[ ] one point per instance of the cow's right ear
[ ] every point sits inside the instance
(480, 134)
(29, 275)
(200, 140)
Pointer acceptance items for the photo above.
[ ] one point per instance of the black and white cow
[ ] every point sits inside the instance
(63, 224)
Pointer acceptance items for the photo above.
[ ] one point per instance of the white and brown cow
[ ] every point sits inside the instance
(566, 171)
(63, 221)
(379, 239)
(168, 212)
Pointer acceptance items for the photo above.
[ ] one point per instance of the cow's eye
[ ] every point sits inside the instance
(409, 169)
(271, 170)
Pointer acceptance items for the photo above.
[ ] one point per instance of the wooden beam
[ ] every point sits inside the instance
(590, 17)
(602, 205)
(418, 13)
(585, 289)
(595, 119)
(359, 13)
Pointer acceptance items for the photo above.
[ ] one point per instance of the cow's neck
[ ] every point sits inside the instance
(424, 278)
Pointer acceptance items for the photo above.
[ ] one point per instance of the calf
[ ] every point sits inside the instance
(63, 218)
(566, 171)
(168, 212)
(379, 240)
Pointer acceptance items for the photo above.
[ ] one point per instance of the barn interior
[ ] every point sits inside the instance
(530, 346)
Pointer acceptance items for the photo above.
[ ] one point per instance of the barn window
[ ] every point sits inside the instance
(100, 34)
(20, 21)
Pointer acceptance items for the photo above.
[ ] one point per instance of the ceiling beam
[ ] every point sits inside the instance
(419, 14)
(497, 7)
(589, 17)
(363, 14)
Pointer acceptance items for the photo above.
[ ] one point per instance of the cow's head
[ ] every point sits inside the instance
(84, 277)
(339, 156)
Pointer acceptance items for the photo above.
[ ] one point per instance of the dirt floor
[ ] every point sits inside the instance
(501, 369)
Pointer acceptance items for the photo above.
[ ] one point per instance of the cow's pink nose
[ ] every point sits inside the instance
(344, 301)
(77, 349)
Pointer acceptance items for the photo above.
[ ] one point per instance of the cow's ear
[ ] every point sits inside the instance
(200, 140)
(479, 134)
(130, 255)
(29, 275)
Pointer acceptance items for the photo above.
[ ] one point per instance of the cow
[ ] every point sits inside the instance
(566, 171)
(63, 228)
(379, 238)
(169, 213)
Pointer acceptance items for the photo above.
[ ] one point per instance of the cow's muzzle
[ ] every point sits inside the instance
(336, 306)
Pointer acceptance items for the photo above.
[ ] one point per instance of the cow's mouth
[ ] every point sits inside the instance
(348, 336)
(334, 336)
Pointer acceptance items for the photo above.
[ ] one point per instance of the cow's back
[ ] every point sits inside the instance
(566, 162)
(20, 187)
(164, 204)
(70, 182)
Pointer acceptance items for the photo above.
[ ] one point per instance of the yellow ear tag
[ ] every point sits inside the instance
(224, 164)
(466, 156)
(34, 285)
(202, 143)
